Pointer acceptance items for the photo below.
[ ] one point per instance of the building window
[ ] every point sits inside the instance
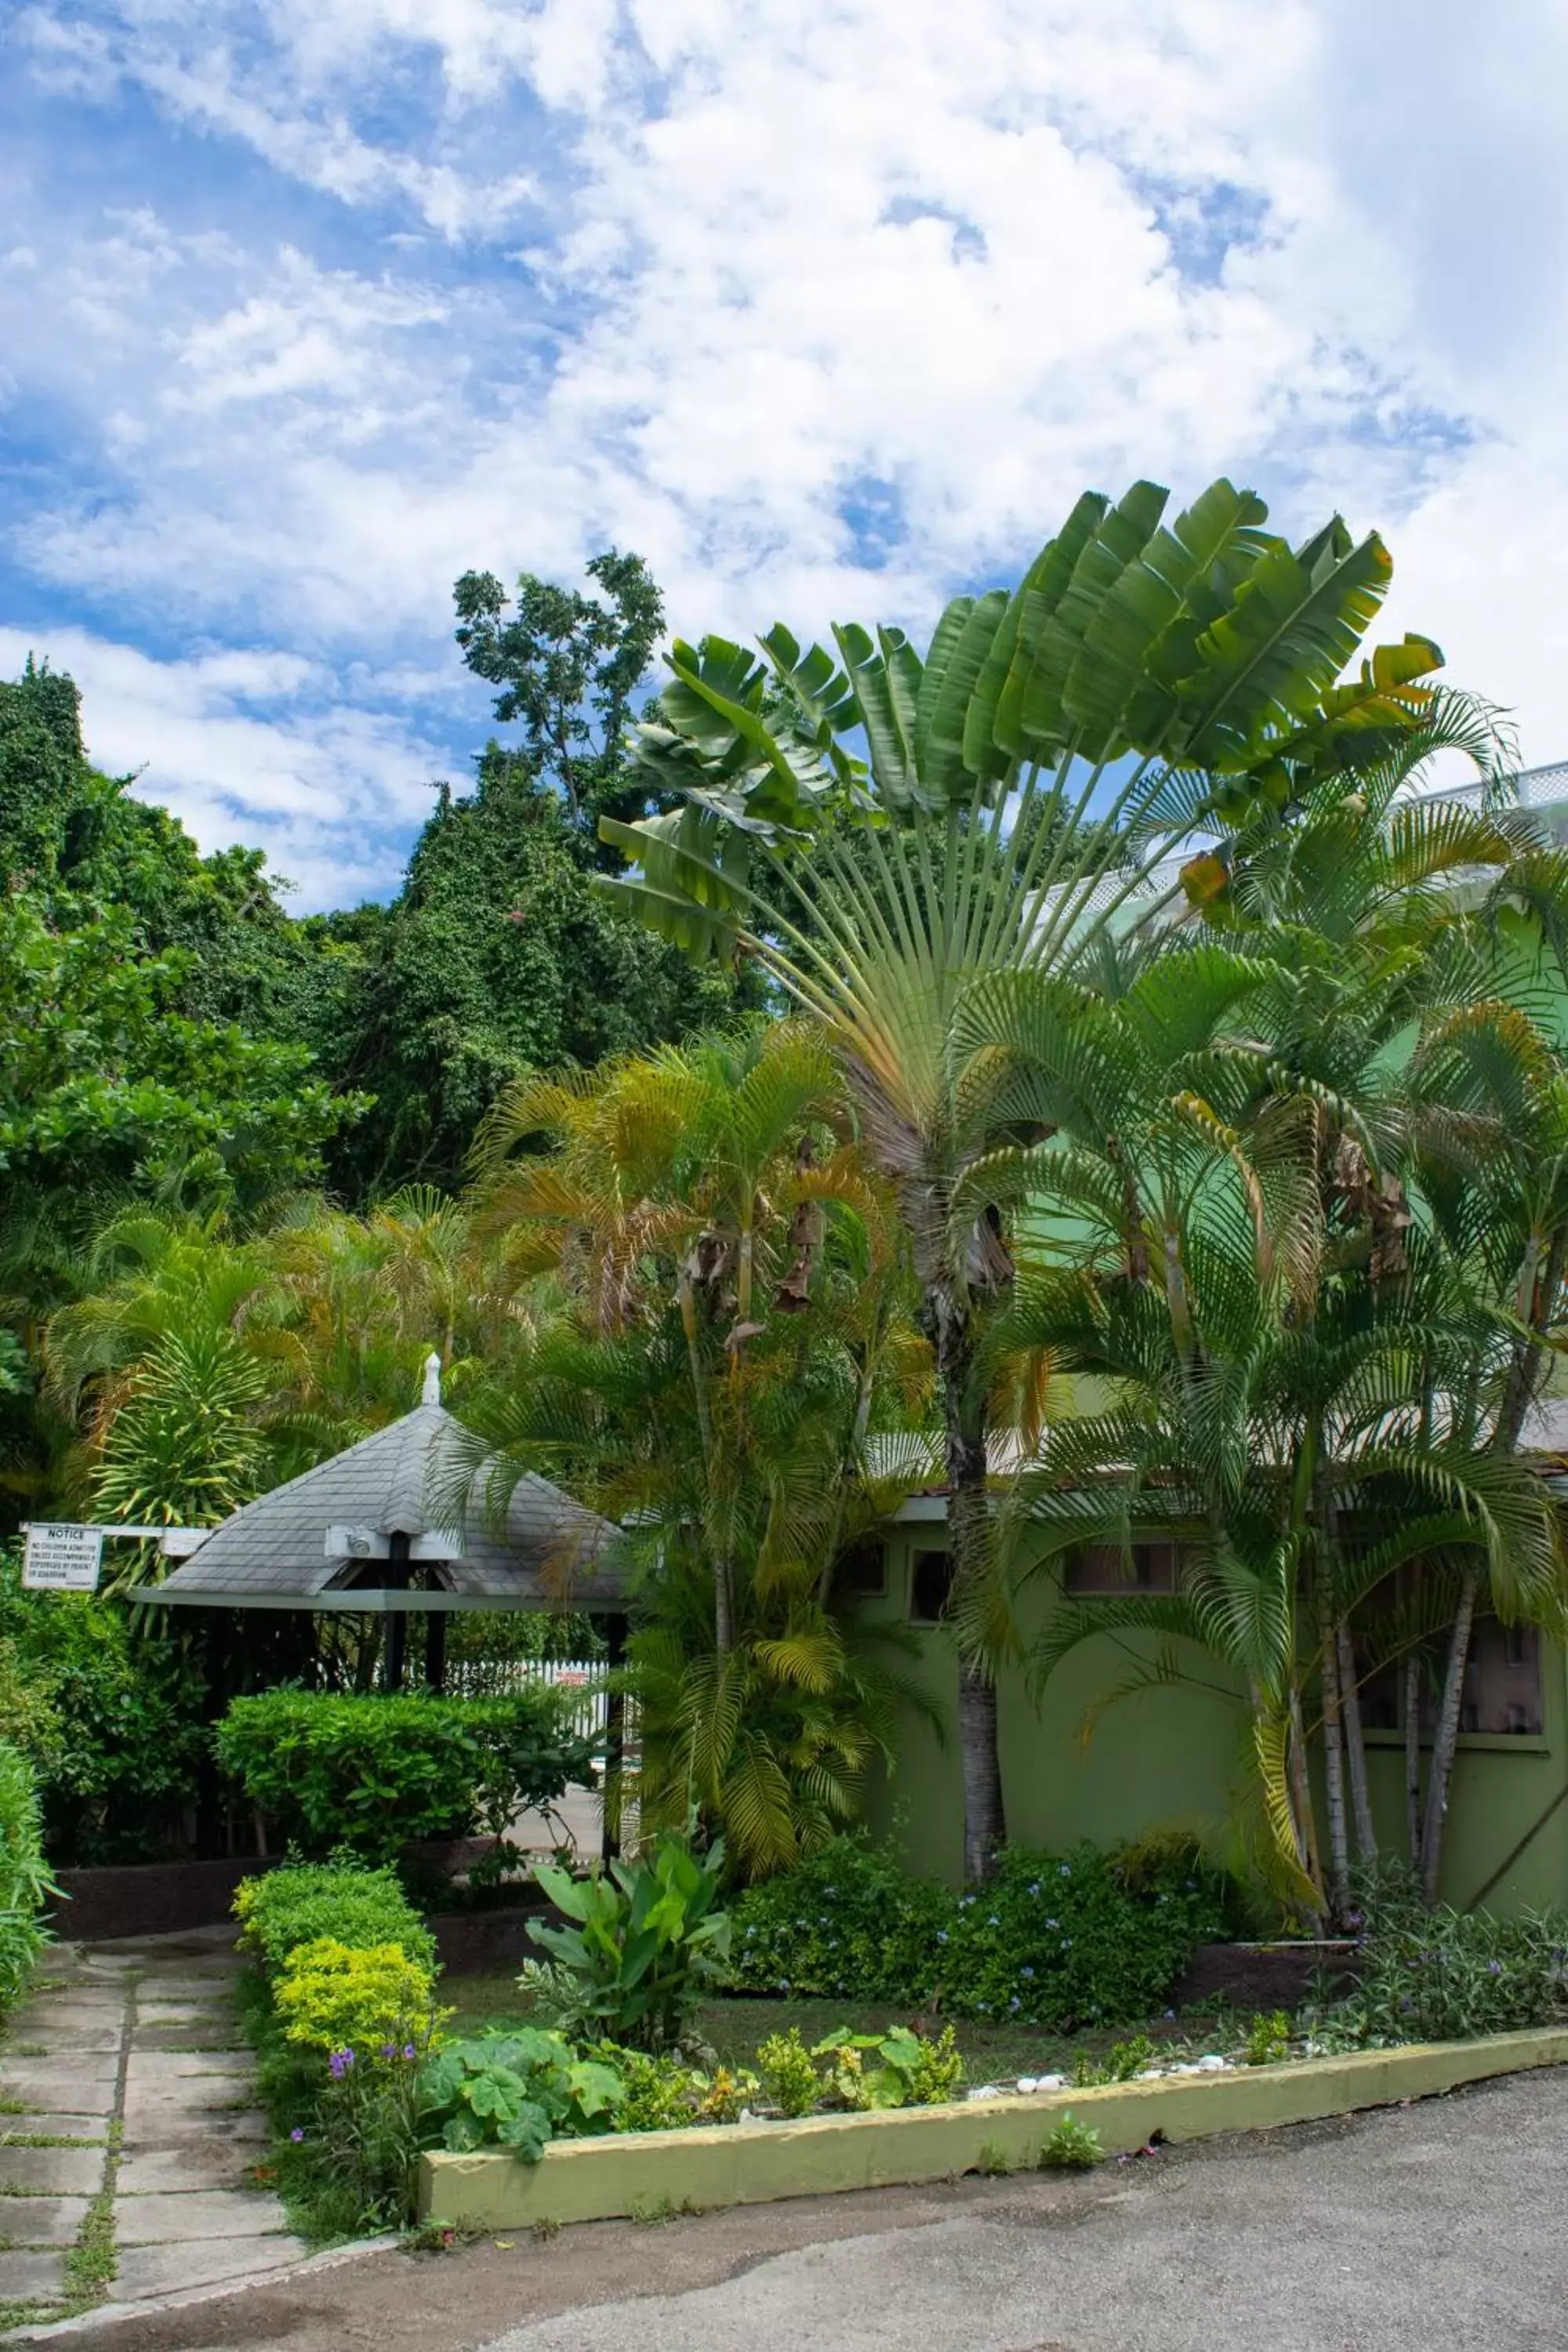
(861, 1571)
(1501, 1695)
(1502, 1681)
(1107, 1567)
(931, 1583)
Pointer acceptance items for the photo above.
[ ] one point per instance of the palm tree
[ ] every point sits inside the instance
(1019, 780)
(734, 1273)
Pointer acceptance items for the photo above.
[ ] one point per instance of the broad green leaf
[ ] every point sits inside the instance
(1035, 603)
(1296, 621)
(964, 639)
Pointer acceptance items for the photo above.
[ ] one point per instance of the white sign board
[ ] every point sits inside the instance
(62, 1559)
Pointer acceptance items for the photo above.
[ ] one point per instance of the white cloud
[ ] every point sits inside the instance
(826, 311)
(250, 745)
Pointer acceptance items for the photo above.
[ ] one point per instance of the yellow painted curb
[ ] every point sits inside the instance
(753, 2164)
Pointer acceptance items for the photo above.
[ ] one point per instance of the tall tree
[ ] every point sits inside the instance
(1098, 708)
(497, 957)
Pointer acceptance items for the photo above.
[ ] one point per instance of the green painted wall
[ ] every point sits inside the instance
(1174, 1758)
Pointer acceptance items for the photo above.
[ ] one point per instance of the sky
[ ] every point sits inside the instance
(829, 307)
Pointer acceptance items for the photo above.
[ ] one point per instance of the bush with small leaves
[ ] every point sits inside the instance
(1268, 2038)
(1071, 2146)
(789, 2072)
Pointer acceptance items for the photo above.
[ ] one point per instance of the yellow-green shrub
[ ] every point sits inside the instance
(373, 2000)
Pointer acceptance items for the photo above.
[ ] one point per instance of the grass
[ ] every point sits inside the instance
(733, 2028)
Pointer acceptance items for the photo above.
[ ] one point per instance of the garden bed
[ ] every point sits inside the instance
(650, 2174)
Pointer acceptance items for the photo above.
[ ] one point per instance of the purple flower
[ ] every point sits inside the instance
(1063, 1870)
(1025, 1970)
(389, 2049)
(1013, 2003)
(297, 2134)
(340, 2061)
(1035, 1888)
(408, 2049)
(1494, 1967)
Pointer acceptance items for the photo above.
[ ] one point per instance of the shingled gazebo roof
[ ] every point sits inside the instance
(274, 1553)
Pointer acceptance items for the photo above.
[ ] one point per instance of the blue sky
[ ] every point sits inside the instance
(307, 305)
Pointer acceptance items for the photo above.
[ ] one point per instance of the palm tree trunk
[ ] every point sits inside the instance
(1334, 1781)
(1413, 1756)
(1301, 1794)
(1447, 1737)
(948, 1322)
(1355, 1746)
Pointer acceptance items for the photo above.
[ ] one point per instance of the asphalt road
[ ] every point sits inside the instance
(1418, 2230)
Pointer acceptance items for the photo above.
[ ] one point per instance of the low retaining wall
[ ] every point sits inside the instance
(752, 2164)
(169, 1898)
(482, 1943)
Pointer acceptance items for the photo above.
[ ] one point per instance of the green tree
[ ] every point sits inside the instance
(497, 957)
(1134, 676)
(735, 1284)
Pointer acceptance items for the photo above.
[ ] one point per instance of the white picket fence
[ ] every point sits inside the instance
(495, 1678)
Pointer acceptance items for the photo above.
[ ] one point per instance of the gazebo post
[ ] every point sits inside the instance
(396, 1619)
(435, 1651)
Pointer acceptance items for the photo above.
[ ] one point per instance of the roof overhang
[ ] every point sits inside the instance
(375, 1602)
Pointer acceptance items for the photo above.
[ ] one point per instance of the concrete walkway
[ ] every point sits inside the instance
(128, 2132)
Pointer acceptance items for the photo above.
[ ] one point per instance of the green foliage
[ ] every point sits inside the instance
(646, 1942)
(1065, 1940)
(848, 1920)
(378, 1773)
(1268, 2038)
(307, 1903)
(1071, 2146)
(1122, 2062)
(25, 1885)
(517, 2091)
(900, 2068)
(1446, 1976)
(110, 1716)
(789, 2072)
(104, 1079)
(1054, 1940)
(370, 1999)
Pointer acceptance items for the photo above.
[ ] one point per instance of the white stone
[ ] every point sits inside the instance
(1213, 2066)
(1050, 2082)
(984, 2091)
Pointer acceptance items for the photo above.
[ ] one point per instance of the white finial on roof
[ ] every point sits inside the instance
(431, 1393)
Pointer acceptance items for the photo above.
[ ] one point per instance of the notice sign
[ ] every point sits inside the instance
(62, 1559)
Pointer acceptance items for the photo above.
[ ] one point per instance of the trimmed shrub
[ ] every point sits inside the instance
(1058, 1940)
(25, 1881)
(376, 1774)
(306, 1903)
(849, 1922)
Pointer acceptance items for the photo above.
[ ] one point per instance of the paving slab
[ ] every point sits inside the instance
(53, 2171)
(147, 2270)
(161, 2119)
(154, 2216)
(83, 2088)
(66, 2037)
(31, 2278)
(200, 2162)
(51, 2123)
(156, 2069)
(209, 2038)
(158, 2012)
(41, 2221)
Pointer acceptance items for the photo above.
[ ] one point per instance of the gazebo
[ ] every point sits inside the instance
(359, 1534)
